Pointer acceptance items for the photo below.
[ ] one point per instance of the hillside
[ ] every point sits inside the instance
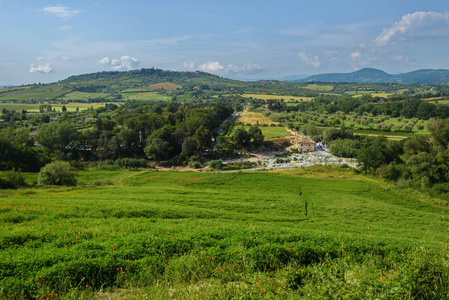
(160, 85)
(161, 235)
(369, 75)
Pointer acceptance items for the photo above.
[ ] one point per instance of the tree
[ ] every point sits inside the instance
(439, 129)
(370, 158)
(55, 136)
(202, 137)
(189, 146)
(64, 109)
(56, 173)
(160, 144)
(256, 134)
(240, 137)
(129, 141)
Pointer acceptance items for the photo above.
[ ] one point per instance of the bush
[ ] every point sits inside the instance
(13, 180)
(131, 163)
(216, 164)
(56, 173)
(196, 165)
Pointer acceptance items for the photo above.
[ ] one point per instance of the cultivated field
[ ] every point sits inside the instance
(165, 85)
(145, 96)
(320, 233)
(277, 97)
(34, 108)
(320, 87)
(84, 96)
(270, 132)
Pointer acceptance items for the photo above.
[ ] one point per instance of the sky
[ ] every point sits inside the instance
(49, 40)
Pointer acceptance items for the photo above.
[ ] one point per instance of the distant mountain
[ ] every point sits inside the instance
(369, 75)
(293, 78)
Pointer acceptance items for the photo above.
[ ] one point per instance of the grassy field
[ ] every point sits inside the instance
(183, 235)
(33, 108)
(84, 96)
(320, 87)
(271, 132)
(169, 86)
(277, 97)
(374, 94)
(254, 118)
(31, 95)
(145, 96)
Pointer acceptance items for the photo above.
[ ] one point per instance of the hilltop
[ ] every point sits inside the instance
(370, 75)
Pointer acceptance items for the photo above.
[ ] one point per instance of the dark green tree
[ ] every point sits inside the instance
(370, 158)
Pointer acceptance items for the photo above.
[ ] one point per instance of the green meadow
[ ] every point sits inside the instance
(33, 108)
(270, 132)
(144, 96)
(315, 233)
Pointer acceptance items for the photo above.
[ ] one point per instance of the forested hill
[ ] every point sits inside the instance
(143, 75)
(369, 75)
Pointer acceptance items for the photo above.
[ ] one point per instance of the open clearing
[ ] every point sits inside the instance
(277, 97)
(145, 96)
(320, 87)
(270, 132)
(219, 235)
(34, 108)
(84, 96)
(168, 86)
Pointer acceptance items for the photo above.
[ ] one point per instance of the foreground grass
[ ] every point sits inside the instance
(225, 235)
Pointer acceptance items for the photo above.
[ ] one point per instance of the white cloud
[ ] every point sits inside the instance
(189, 65)
(422, 24)
(245, 69)
(123, 63)
(60, 11)
(309, 59)
(40, 68)
(355, 55)
(216, 67)
(211, 67)
(65, 28)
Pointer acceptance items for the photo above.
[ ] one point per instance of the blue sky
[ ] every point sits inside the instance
(45, 41)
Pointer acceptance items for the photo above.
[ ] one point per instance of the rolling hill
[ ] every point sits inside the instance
(369, 75)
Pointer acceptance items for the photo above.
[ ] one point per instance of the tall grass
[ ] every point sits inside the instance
(222, 235)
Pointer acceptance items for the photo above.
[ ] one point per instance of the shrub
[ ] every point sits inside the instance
(13, 180)
(216, 164)
(131, 163)
(57, 173)
(196, 165)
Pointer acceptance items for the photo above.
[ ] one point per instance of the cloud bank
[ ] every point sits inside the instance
(120, 64)
(216, 67)
(60, 11)
(46, 68)
(418, 24)
(309, 59)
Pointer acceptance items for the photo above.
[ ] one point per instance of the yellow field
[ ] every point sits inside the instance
(277, 97)
(383, 95)
(320, 88)
(254, 118)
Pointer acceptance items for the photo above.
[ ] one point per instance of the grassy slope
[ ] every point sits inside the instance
(217, 236)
